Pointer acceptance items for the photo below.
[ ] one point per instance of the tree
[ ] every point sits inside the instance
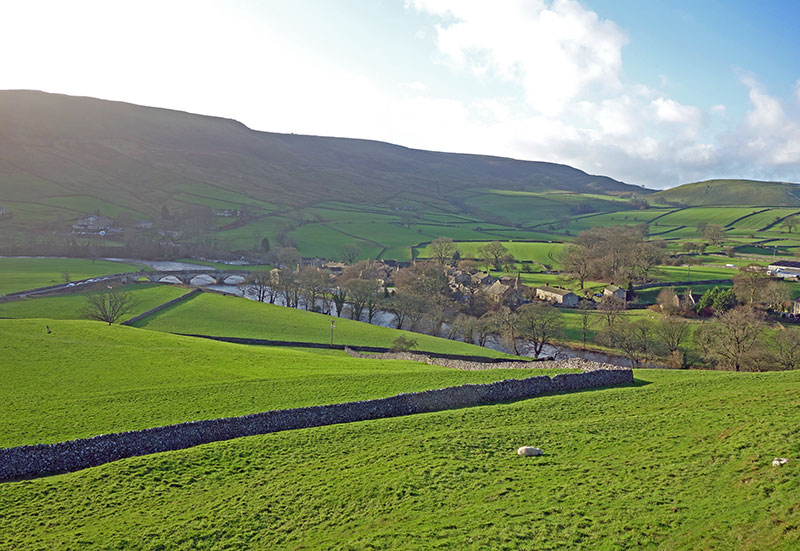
(442, 249)
(672, 332)
(790, 223)
(714, 233)
(259, 285)
(585, 308)
(786, 347)
(363, 293)
(288, 287)
(635, 339)
(165, 214)
(339, 296)
(493, 253)
(403, 344)
(505, 322)
(576, 263)
(774, 295)
(748, 282)
(65, 275)
(734, 340)
(283, 257)
(668, 301)
(539, 324)
(108, 305)
(313, 284)
(349, 252)
(265, 244)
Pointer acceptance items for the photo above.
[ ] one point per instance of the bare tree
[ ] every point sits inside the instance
(260, 285)
(786, 347)
(774, 295)
(672, 332)
(363, 293)
(610, 307)
(339, 296)
(288, 287)
(635, 339)
(108, 305)
(313, 283)
(442, 249)
(505, 321)
(585, 309)
(349, 252)
(493, 254)
(748, 283)
(790, 223)
(734, 340)
(576, 264)
(714, 233)
(539, 324)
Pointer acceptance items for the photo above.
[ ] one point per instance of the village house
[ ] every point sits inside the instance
(143, 224)
(556, 295)
(507, 292)
(93, 223)
(483, 278)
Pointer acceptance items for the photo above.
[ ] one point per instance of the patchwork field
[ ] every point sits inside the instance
(640, 467)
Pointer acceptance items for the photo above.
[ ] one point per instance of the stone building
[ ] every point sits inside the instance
(556, 295)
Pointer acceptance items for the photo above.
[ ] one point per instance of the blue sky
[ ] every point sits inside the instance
(652, 93)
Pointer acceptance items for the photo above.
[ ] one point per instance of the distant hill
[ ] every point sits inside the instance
(732, 192)
(77, 148)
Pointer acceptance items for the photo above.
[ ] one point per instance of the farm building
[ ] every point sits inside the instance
(93, 223)
(615, 291)
(784, 269)
(504, 294)
(483, 278)
(562, 297)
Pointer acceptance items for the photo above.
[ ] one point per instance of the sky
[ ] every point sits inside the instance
(649, 92)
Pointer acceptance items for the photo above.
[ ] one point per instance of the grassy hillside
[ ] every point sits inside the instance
(19, 274)
(70, 306)
(87, 378)
(732, 192)
(680, 461)
(227, 316)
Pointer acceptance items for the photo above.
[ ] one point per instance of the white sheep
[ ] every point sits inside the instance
(529, 451)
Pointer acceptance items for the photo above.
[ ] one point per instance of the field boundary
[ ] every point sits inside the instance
(151, 311)
(357, 348)
(44, 459)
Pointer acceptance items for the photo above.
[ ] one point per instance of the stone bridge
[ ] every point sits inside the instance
(197, 278)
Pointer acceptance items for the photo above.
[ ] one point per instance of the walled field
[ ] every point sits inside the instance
(211, 314)
(70, 306)
(640, 467)
(19, 274)
(87, 378)
(543, 253)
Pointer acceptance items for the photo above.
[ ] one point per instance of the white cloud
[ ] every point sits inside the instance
(553, 51)
(415, 85)
(669, 110)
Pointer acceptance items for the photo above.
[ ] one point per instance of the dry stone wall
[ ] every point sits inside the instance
(29, 461)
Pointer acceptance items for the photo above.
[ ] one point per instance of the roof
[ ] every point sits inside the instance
(498, 288)
(556, 290)
(613, 288)
(786, 264)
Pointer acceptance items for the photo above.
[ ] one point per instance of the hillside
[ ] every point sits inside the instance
(732, 192)
(134, 157)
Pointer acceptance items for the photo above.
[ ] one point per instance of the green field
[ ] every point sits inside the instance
(542, 253)
(70, 306)
(228, 316)
(20, 274)
(87, 378)
(679, 461)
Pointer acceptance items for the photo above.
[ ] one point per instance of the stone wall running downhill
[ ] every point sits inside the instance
(160, 307)
(29, 461)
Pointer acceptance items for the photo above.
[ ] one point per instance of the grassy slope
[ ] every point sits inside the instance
(19, 274)
(211, 314)
(147, 296)
(87, 378)
(732, 192)
(680, 462)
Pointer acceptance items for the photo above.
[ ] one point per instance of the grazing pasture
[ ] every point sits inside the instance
(20, 274)
(638, 467)
(87, 378)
